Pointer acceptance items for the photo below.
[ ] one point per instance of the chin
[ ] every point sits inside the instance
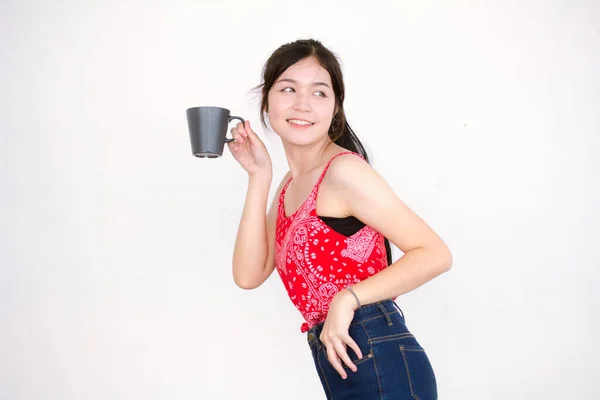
(298, 137)
(300, 140)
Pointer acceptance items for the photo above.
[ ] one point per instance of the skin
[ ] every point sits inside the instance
(350, 187)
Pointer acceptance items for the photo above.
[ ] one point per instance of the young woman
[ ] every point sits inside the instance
(327, 233)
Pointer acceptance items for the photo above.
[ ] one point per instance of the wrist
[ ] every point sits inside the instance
(350, 299)
(262, 178)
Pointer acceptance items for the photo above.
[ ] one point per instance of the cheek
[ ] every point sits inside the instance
(276, 107)
(325, 111)
(275, 117)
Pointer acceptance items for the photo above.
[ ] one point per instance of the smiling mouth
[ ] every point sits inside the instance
(299, 122)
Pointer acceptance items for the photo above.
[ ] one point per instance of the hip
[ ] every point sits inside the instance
(393, 365)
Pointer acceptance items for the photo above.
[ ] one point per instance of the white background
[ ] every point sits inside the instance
(115, 275)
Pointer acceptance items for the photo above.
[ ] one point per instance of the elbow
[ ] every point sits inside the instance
(445, 259)
(245, 284)
(440, 258)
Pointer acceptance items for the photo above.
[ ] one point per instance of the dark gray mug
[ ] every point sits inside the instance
(208, 130)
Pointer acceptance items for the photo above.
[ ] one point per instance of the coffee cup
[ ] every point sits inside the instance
(208, 130)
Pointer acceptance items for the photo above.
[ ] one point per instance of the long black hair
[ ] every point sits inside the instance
(340, 131)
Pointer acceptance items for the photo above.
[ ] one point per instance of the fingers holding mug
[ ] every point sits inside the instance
(236, 135)
(241, 128)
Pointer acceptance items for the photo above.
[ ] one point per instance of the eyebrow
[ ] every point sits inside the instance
(313, 84)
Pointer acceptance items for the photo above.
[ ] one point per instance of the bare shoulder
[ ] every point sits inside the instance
(352, 173)
(368, 197)
(278, 190)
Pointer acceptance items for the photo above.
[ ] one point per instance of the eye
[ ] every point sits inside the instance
(289, 89)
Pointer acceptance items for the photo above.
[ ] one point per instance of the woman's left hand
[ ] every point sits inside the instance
(335, 336)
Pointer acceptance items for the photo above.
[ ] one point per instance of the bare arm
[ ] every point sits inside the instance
(369, 198)
(254, 252)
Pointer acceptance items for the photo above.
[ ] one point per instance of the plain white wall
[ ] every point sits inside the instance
(115, 276)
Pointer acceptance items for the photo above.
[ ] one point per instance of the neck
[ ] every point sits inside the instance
(303, 159)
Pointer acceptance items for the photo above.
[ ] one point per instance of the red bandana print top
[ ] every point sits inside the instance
(316, 262)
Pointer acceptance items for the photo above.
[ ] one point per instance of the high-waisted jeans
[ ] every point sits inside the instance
(394, 366)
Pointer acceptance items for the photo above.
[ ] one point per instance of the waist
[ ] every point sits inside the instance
(364, 313)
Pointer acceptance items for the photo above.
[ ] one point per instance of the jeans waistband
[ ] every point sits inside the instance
(384, 307)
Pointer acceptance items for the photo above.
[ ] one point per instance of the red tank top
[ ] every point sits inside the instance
(315, 262)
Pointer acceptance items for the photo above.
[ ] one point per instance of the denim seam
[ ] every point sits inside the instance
(330, 396)
(412, 393)
(360, 361)
(374, 318)
(374, 360)
(382, 339)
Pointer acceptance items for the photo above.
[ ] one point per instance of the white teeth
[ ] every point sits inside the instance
(298, 122)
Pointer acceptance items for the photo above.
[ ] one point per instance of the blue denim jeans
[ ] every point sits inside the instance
(394, 366)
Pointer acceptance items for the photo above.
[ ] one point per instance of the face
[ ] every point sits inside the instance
(302, 103)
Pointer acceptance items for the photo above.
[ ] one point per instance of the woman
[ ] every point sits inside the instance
(332, 251)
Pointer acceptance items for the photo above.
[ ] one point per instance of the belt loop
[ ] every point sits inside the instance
(318, 342)
(317, 333)
(387, 315)
(313, 339)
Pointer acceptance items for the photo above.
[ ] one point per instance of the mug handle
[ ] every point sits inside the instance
(231, 118)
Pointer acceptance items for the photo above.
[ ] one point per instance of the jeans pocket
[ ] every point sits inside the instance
(358, 361)
(367, 354)
(420, 374)
(358, 334)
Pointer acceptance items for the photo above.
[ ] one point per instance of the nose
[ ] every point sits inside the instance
(301, 102)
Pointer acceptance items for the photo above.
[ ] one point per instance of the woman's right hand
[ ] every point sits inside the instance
(249, 150)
